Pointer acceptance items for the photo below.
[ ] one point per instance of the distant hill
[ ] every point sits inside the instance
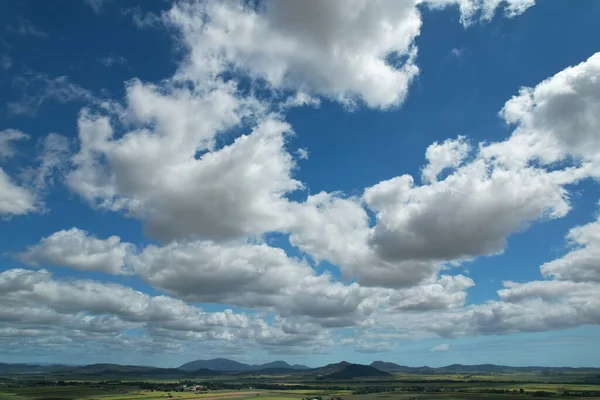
(220, 366)
(279, 364)
(357, 371)
(216, 364)
(388, 366)
(329, 368)
(483, 368)
(101, 370)
(226, 365)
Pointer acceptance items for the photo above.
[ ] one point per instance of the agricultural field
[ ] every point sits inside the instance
(90, 393)
(451, 391)
(400, 386)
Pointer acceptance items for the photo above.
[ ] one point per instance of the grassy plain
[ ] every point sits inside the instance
(401, 386)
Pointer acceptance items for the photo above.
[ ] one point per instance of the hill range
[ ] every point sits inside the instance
(222, 366)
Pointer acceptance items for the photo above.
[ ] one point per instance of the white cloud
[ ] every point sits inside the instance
(167, 157)
(302, 153)
(255, 276)
(216, 195)
(582, 263)
(483, 10)
(336, 229)
(299, 99)
(440, 347)
(14, 199)
(469, 213)
(88, 309)
(75, 248)
(440, 156)
(480, 203)
(336, 49)
(554, 120)
(447, 292)
(52, 161)
(8, 136)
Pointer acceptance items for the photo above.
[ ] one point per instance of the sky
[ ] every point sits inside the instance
(414, 181)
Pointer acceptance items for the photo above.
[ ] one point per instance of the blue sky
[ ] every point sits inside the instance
(303, 181)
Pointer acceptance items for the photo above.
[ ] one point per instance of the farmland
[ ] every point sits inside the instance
(499, 386)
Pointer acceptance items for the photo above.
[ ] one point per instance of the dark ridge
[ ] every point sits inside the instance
(357, 371)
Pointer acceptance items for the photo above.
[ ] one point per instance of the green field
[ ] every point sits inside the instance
(90, 393)
(401, 386)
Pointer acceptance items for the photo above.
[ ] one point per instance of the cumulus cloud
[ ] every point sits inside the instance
(336, 229)
(447, 292)
(470, 213)
(76, 307)
(472, 210)
(554, 120)
(75, 248)
(14, 199)
(582, 263)
(166, 156)
(25, 193)
(334, 49)
(440, 156)
(440, 347)
(256, 276)
(216, 195)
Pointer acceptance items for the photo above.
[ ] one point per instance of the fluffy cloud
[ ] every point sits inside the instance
(534, 306)
(582, 263)
(440, 156)
(470, 213)
(479, 203)
(78, 306)
(75, 248)
(440, 347)
(555, 119)
(14, 199)
(246, 275)
(256, 276)
(336, 49)
(447, 292)
(168, 156)
(215, 195)
(336, 229)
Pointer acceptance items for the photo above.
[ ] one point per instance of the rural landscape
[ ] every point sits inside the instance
(299, 199)
(220, 378)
